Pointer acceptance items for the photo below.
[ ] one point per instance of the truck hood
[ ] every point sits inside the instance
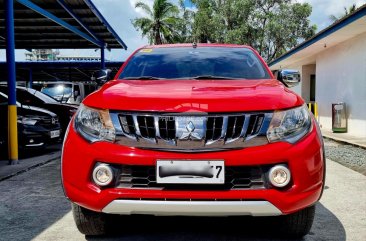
(193, 96)
(33, 110)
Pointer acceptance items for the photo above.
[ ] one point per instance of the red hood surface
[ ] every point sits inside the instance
(193, 96)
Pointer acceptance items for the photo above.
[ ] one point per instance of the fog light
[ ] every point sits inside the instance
(279, 176)
(103, 174)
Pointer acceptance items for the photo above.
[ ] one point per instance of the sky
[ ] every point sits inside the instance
(119, 14)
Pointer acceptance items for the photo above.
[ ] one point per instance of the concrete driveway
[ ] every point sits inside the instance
(32, 207)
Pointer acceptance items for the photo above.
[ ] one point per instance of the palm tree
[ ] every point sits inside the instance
(161, 22)
(347, 11)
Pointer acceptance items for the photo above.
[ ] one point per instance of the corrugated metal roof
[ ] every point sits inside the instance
(34, 31)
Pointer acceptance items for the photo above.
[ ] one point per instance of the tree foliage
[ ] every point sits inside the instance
(347, 11)
(160, 25)
(270, 26)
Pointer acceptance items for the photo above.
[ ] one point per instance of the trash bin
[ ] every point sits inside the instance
(339, 120)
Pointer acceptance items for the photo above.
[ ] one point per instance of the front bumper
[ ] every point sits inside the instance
(304, 159)
(37, 136)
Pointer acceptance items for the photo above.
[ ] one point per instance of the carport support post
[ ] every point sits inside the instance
(102, 59)
(10, 62)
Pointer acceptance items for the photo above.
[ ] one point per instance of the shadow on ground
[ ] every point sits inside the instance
(29, 153)
(31, 202)
(326, 227)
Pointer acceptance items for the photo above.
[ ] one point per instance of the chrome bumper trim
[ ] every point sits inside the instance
(192, 208)
(34, 145)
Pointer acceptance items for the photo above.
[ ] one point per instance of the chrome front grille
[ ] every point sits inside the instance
(146, 126)
(236, 177)
(191, 132)
(127, 123)
(166, 128)
(48, 121)
(214, 127)
(235, 126)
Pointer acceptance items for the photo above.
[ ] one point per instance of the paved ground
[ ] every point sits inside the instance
(345, 137)
(32, 207)
(28, 159)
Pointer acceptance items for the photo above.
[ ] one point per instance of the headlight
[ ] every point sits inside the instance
(289, 125)
(94, 124)
(29, 120)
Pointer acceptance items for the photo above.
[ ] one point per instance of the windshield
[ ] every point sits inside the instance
(27, 96)
(60, 92)
(199, 63)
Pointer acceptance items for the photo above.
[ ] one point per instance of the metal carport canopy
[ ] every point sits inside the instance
(48, 24)
(58, 70)
(59, 24)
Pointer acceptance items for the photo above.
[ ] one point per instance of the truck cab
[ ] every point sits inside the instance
(66, 91)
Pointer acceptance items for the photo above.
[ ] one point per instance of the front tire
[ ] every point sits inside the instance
(297, 225)
(89, 222)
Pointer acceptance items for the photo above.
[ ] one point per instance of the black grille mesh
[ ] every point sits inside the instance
(240, 177)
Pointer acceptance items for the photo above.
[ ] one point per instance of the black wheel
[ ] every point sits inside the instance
(89, 222)
(297, 225)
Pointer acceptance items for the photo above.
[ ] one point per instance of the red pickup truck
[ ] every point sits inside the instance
(194, 130)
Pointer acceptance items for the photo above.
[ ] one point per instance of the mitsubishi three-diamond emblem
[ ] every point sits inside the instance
(190, 127)
(190, 134)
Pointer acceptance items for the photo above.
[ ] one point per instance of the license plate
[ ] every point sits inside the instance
(190, 172)
(55, 134)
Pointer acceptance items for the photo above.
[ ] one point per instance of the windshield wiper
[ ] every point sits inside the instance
(143, 78)
(212, 77)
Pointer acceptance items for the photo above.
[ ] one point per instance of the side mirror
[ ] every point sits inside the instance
(101, 76)
(289, 77)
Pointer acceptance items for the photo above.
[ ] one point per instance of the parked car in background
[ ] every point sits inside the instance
(202, 130)
(37, 127)
(66, 92)
(32, 97)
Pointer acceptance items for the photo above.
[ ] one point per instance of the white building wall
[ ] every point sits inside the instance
(341, 77)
